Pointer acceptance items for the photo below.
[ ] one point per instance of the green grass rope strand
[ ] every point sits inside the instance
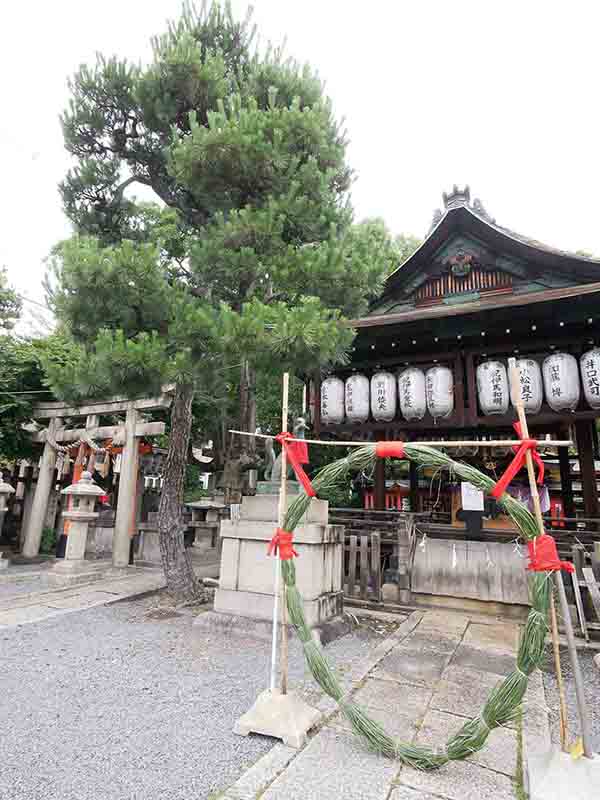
(504, 702)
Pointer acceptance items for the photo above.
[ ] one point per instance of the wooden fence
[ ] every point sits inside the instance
(361, 566)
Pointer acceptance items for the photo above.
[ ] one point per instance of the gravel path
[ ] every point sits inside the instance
(591, 680)
(119, 702)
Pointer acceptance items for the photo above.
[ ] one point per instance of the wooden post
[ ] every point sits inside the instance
(379, 493)
(414, 487)
(566, 483)
(584, 434)
(282, 510)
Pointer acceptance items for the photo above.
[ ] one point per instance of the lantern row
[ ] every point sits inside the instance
(414, 391)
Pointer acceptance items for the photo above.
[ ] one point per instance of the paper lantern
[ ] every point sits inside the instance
(411, 393)
(332, 401)
(357, 398)
(383, 396)
(530, 384)
(492, 387)
(561, 381)
(439, 389)
(589, 364)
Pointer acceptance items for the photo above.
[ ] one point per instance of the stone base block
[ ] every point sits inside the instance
(260, 606)
(284, 716)
(72, 573)
(555, 776)
(262, 629)
(4, 562)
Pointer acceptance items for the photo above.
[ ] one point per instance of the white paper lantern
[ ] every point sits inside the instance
(589, 364)
(492, 387)
(383, 396)
(357, 398)
(411, 393)
(439, 388)
(530, 384)
(332, 401)
(561, 381)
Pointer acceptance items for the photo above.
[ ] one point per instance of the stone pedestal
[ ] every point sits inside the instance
(247, 573)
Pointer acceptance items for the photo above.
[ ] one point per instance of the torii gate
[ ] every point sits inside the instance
(127, 432)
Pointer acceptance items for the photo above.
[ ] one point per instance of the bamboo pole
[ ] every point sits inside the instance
(440, 443)
(282, 509)
(559, 678)
(583, 716)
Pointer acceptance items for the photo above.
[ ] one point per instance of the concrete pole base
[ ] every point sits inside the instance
(556, 776)
(283, 716)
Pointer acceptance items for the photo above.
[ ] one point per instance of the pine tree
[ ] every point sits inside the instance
(253, 257)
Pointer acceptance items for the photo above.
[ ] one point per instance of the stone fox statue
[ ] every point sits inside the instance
(274, 474)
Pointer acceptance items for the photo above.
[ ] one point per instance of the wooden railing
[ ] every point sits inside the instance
(361, 565)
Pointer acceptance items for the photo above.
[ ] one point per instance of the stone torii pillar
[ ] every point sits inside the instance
(129, 432)
(37, 515)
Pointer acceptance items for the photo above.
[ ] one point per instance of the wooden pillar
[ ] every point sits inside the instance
(37, 516)
(585, 434)
(379, 494)
(126, 500)
(471, 413)
(566, 484)
(414, 486)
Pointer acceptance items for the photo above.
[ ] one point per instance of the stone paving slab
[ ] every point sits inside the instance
(404, 698)
(316, 772)
(460, 780)
(483, 660)
(463, 690)
(21, 616)
(401, 726)
(258, 777)
(420, 667)
(499, 636)
(406, 793)
(499, 753)
(82, 599)
(43, 605)
(431, 640)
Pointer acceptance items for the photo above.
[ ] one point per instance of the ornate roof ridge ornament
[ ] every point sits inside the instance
(457, 198)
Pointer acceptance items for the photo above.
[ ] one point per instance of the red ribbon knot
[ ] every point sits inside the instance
(543, 555)
(390, 450)
(297, 454)
(518, 461)
(282, 541)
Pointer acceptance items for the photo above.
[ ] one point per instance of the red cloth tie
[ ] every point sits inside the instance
(518, 461)
(282, 541)
(543, 556)
(297, 454)
(390, 450)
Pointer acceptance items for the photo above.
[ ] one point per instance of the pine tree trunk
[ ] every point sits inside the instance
(241, 453)
(177, 564)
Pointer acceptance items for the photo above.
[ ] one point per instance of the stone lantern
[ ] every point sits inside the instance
(85, 493)
(5, 492)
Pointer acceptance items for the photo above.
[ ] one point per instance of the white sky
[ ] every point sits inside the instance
(502, 96)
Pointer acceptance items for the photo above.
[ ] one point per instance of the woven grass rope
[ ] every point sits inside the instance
(503, 704)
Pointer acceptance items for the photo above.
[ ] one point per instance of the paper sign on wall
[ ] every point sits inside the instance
(471, 497)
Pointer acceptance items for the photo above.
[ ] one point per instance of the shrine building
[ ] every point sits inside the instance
(430, 361)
